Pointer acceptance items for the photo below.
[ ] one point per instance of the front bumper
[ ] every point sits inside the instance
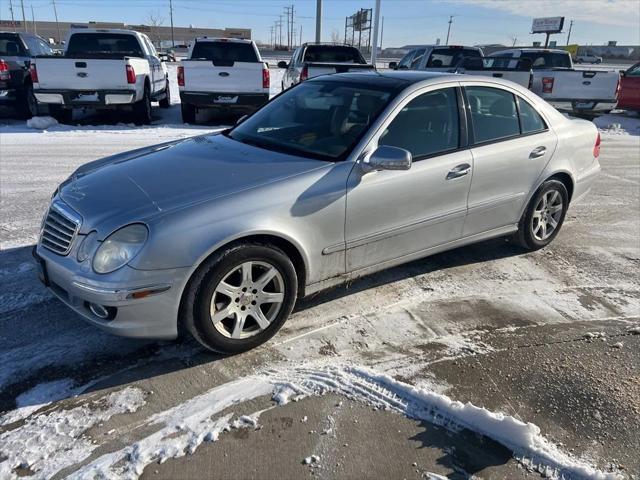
(241, 102)
(76, 285)
(82, 98)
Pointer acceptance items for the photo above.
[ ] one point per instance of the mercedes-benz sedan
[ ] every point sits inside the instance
(338, 177)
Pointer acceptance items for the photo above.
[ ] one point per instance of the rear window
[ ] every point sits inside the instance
(86, 44)
(333, 54)
(224, 53)
(10, 45)
(548, 59)
(448, 57)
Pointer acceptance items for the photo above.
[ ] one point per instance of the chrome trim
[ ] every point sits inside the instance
(59, 228)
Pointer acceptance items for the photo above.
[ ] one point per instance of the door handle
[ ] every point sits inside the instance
(538, 152)
(459, 171)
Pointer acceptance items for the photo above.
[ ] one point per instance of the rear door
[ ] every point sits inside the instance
(225, 67)
(155, 66)
(512, 144)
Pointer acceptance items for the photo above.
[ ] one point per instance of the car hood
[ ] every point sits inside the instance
(131, 186)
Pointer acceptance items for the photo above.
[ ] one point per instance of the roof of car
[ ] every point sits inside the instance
(385, 78)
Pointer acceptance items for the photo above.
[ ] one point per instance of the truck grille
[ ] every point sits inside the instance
(59, 229)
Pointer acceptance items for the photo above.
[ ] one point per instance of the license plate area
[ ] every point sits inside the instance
(584, 105)
(86, 97)
(226, 99)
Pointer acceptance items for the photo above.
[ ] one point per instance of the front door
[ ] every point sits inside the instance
(391, 214)
(512, 146)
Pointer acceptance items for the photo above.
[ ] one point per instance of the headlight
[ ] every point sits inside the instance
(87, 246)
(120, 248)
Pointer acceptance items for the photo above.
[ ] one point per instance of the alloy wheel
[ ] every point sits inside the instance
(547, 215)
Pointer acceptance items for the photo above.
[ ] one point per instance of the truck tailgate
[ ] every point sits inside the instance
(81, 74)
(204, 76)
(582, 85)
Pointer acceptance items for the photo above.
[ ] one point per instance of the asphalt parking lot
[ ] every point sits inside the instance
(354, 384)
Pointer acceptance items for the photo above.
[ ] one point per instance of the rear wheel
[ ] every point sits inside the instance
(142, 109)
(62, 115)
(240, 297)
(166, 101)
(544, 216)
(188, 113)
(27, 106)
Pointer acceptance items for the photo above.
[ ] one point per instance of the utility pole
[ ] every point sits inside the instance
(13, 20)
(293, 32)
(569, 35)
(449, 29)
(381, 33)
(376, 22)
(24, 20)
(173, 43)
(279, 24)
(300, 34)
(318, 21)
(55, 11)
(287, 11)
(271, 36)
(33, 21)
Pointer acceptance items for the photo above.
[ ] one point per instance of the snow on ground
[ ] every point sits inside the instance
(39, 396)
(619, 123)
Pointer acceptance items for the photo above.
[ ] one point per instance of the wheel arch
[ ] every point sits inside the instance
(566, 179)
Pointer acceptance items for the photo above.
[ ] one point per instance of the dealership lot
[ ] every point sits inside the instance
(550, 337)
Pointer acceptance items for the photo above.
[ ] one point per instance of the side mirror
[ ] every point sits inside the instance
(283, 64)
(242, 119)
(388, 158)
(393, 65)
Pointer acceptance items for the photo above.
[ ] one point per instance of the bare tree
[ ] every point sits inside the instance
(155, 20)
(336, 38)
(514, 39)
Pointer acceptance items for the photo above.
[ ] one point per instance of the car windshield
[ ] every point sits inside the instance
(224, 52)
(83, 44)
(318, 119)
(333, 54)
(548, 59)
(10, 45)
(449, 57)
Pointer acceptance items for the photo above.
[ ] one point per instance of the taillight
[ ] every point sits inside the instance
(33, 72)
(547, 84)
(181, 76)
(4, 70)
(530, 81)
(596, 147)
(304, 74)
(131, 74)
(266, 78)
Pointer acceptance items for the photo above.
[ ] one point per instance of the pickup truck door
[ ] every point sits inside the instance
(512, 144)
(155, 67)
(291, 74)
(393, 214)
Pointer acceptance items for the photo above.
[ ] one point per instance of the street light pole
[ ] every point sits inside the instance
(24, 20)
(55, 12)
(449, 29)
(318, 21)
(376, 24)
(569, 35)
(33, 21)
(173, 43)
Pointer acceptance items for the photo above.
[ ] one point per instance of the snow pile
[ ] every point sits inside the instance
(36, 398)
(41, 123)
(50, 442)
(618, 124)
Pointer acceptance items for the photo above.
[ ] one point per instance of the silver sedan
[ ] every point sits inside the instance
(336, 178)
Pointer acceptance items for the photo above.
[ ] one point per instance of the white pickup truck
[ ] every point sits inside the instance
(583, 91)
(460, 59)
(103, 69)
(312, 59)
(223, 74)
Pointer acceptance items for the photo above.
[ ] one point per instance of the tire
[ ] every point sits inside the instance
(166, 101)
(62, 115)
(218, 286)
(142, 109)
(27, 106)
(188, 113)
(547, 207)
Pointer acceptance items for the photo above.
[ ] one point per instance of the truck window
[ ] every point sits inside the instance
(548, 59)
(449, 57)
(83, 44)
(224, 53)
(10, 45)
(406, 60)
(417, 58)
(333, 54)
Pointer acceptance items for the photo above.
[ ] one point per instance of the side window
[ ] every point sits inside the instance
(530, 120)
(45, 48)
(493, 113)
(33, 46)
(427, 125)
(406, 60)
(296, 56)
(633, 71)
(417, 59)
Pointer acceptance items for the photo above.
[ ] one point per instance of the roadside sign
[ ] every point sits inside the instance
(547, 25)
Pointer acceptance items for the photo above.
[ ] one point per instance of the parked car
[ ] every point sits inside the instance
(629, 97)
(338, 177)
(566, 88)
(588, 58)
(223, 74)
(103, 69)
(458, 59)
(313, 59)
(16, 88)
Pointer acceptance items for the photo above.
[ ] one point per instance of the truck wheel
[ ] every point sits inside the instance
(188, 113)
(166, 101)
(240, 297)
(27, 104)
(142, 109)
(62, 115)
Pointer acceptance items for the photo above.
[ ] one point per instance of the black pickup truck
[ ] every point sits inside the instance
(16, 88)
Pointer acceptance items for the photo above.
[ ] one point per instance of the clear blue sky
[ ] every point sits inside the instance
(405, 21)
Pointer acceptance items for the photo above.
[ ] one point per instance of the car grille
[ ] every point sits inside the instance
(59, 229)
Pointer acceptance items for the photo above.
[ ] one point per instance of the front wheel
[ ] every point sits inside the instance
(240, 297)
(544, 216)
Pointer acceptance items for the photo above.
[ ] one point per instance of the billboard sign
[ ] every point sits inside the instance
(547, 25)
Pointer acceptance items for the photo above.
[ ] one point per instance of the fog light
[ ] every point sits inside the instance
(100, 311)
